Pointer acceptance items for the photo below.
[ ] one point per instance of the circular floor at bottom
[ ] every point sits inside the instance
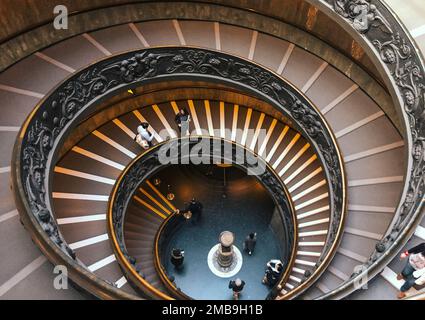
(245, 209)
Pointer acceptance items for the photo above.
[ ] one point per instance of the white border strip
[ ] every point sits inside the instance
(84, 175)
(309, 190)
(308, 254)
(363, 233)
(311, 201)
(417, 32)
(4, 169)
(22, 274)
(363, 208)
(54, 62)
(305, 263)
(266, 140)
(359, 124)
(79, 196)
(391, 277)
(139, 35)
(222, 121)
(257, 131)
(314, 77)
(89, 241)
(217, 36)
(420, 232)
(164, 121)
(312, 212)
(21, 91)
(121, 282)
(179, 32)
(96, 44)
(339, 99)
(352, 255)
(253, 44)
(81, 219)
(373, 151)
(338, 273)
(124, 128)
(114, 144)
(96, 157)
(194, 117)
(8, 215)
(294, 159)
(209, 117)
(285, 58)
(235, 121)
(285, 151)
(9, 129)
(311, 244)
(373, 181)
(300, 168)
(101, 263)
(313, 233)
(305, 179)
(246, 126)
(313, 223)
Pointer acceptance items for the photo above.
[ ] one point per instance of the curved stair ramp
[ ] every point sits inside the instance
(287, 151)
(146, 213)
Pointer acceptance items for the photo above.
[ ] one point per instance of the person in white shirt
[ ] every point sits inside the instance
(144, 134)
(414, 270)
(273, 272)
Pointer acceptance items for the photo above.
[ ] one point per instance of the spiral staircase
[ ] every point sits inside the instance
(358, 108)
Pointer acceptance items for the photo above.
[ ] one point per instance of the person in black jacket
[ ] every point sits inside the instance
(195, 208)
(250, 241)
(237, 287)
(177, 258)
(273, 272)
(182, 120)
(414, 269)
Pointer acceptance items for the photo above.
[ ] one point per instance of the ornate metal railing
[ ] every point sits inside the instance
(182, 151)
(74, 99)
(385, 39)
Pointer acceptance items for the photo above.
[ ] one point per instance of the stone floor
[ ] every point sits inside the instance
(246, 208)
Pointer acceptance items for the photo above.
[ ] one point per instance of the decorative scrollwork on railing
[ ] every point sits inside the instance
(76, 97)
(148, 163)
(403, 65)
(362, 14)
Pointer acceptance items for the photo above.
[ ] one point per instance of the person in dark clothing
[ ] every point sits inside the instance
(250, 241)
(237, 287)
(177, 258)
(274, 270)
(182, 120)
(414, 271)
(195, 208)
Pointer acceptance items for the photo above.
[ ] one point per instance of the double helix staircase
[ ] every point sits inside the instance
(371, 145)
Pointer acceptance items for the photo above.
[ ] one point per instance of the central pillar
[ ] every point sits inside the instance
(225, 250)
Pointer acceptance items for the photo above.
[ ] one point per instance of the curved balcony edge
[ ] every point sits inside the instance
(384, 37)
